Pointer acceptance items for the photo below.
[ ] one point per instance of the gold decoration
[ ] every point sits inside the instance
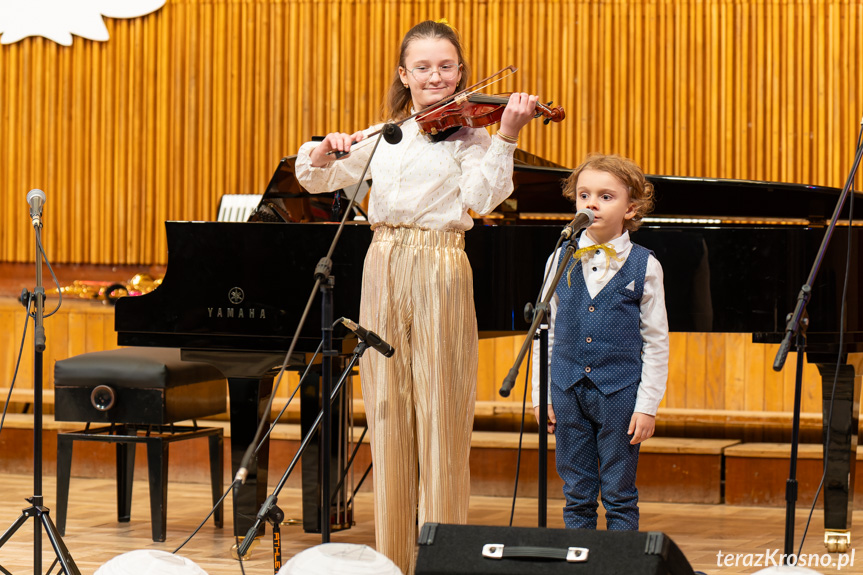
(110, 292)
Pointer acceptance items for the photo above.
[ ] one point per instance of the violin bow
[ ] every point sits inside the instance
(467, 92)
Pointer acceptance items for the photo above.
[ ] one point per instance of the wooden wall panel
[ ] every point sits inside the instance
(78, 327)
(706, 371)
(203, 97)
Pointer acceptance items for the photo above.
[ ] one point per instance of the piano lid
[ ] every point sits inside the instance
(738, 278)
(539, 183)
(538, 198)
(285, 200)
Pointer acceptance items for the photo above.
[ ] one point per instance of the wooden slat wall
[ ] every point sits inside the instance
(203, 97)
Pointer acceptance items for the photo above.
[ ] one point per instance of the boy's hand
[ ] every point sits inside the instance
(641, 427)
(552, 420)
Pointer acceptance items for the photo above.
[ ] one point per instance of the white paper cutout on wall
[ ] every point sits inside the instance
(57, 20)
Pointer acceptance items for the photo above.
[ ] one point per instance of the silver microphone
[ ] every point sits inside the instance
(36, 199)
(583, 218)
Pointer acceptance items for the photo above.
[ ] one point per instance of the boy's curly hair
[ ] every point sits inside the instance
(641, 191)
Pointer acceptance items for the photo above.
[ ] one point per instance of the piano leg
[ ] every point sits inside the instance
(310, 407)
(249, 396)
(841, 456)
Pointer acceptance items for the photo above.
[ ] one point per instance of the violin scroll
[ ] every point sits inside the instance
(550, 114)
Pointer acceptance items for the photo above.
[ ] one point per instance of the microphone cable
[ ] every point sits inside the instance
(842, 327)
(322, 271)
(527, 380)
(53, 275)
(17, 363)
(259, 445)
(520, 439)
(26, 295)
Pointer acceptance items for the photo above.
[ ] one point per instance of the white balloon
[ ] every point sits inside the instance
(340, 559)
(150, 562)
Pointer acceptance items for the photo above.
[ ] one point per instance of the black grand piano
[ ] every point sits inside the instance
(735, 254)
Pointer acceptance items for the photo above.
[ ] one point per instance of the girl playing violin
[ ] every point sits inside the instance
(417, 290)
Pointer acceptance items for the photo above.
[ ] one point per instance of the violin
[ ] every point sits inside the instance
(477, 111)
(465, 108)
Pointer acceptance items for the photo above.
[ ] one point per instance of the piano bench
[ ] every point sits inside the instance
(140, 393)
(141, 385)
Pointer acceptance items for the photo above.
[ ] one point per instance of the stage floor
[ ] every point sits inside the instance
(93, 535)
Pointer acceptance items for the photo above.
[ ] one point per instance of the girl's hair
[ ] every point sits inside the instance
(398, 102)
(628, 173)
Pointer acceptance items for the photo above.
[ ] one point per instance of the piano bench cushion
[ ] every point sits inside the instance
(143, 385)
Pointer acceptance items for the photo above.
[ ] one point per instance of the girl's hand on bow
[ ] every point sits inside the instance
(334, 142)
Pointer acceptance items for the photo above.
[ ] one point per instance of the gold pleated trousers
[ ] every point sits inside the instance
(418, 296)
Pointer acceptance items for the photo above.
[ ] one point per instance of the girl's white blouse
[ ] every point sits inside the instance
(418, 182)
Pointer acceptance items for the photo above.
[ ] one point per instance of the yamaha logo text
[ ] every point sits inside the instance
(236, 296)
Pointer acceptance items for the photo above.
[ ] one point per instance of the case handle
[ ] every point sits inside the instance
(500, 551)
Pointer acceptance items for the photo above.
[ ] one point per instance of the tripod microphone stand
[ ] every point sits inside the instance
(540, 317)
(325, 283)
(36, 510)
(320, 421)
(795, 329)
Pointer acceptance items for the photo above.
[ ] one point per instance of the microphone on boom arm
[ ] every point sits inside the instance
(583, 218)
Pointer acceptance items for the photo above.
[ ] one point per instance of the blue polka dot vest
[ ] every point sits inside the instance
(600, 338)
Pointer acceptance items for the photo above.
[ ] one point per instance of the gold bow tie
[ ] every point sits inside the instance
(609, 250)
(610, 253)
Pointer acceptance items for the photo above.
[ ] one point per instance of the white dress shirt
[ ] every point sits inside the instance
(420, 183)
(598, 270)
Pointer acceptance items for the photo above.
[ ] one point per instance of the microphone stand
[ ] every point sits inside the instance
(326, 412)
(793, 330)
(327, 400)
(324, 282)
(540, 317)
(37, 511)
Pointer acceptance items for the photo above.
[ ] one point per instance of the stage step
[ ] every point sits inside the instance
(670, 469)
(756, 474)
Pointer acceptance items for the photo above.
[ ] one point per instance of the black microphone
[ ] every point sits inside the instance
(371, 338)
(36, 199)
(392, 133)
(583, 218)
